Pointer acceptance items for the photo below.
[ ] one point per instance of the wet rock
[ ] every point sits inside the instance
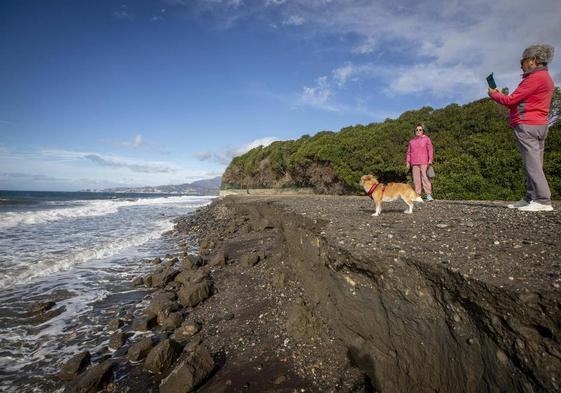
(155, 261)
(194, 261)
(137, 281)
(193, 294)
(186, 330)
(249, 260)
(161, 279)
(148, 281)
(144, 324)
(117, 340)
(74, 366)
(114, 324)
(170, 261)
(162, 301)
(41, 307)
(94, 378)
(139, 350)
(190, 373)
(162, 356)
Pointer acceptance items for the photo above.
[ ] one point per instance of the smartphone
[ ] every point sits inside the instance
(491, 81)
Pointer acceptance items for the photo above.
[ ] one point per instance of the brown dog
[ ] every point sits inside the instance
(389, 192)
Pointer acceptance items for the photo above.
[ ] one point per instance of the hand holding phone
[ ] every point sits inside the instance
(491, 81)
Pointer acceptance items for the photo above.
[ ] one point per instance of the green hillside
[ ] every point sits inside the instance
(476, 156)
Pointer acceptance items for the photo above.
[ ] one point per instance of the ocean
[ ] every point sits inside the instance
(80, 250)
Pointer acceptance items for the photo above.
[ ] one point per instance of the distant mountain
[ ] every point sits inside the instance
(199, 187)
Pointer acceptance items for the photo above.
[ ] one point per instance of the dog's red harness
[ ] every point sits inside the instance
(373, 188)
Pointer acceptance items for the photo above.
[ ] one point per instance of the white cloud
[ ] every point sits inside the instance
(253, 144)
(203, 156)
(294, 20)
(113, 161)
(341, 74)
(123, 13)
(274, 2)
(226, 154)
(438, 80)
(318, 95)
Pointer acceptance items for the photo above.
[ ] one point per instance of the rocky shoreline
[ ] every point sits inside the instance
(312, 294)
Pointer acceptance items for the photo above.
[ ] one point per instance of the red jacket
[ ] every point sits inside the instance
(529, 104)
(420, 151)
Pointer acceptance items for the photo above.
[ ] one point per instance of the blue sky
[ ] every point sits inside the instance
(107, 93)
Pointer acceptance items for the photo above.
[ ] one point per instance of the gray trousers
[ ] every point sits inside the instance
(531, 142)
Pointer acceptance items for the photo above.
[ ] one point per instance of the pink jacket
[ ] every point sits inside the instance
(529, 104)
(419, 151)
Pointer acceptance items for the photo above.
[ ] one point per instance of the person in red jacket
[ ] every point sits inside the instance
(529, 111)
(419, 156)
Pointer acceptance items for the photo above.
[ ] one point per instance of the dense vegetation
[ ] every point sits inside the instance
(476, 156)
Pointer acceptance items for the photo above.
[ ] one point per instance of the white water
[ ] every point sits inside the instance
(83, 255)
(78, 209)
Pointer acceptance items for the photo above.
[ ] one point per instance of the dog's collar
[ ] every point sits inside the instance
(373, 188)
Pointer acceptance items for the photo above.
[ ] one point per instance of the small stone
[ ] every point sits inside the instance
(279, 380)
(496, 242)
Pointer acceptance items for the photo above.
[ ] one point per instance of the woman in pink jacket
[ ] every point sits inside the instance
(419, 156)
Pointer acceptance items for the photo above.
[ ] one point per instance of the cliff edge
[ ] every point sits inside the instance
(457, 297)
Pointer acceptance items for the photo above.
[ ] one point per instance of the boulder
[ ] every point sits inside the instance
(186, 330)
(187, 277)
(161, 279)
(144, 324)
(162, 356)
(95, 378)
(190, 373)
(74, 366)
(193, 294)
(117, 340)
(162, 301)
(155, 261)
(193, 261)
(139, 350)
(170, 321)
(137, 281)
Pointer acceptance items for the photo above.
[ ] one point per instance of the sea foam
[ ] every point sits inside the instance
(92, 209)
